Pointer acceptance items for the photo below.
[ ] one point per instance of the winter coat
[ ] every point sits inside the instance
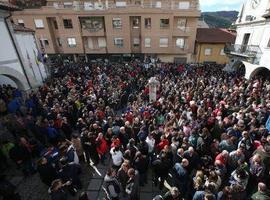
(102, 146)
(112, 186)
(71, 155)
(47, 173)
(78, 145)
(133, 187)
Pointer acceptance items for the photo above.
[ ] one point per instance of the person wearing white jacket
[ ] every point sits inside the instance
(117, 157)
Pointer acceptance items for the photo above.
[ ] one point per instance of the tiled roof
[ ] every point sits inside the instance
(4, 5)
(215, 35)
(21, 28)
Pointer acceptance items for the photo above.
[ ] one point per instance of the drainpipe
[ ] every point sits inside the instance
(17, 52)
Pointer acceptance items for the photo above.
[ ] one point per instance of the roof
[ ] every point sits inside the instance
(4, 5)
(215, 35)
(202, 24)
(21, 28)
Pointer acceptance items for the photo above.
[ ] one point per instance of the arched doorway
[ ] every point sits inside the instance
(15, 76)
(239, 67)
(261, 72)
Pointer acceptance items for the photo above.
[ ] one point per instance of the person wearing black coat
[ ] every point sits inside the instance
(161, 168)
(70, 172)
(46, 171)
(141, 164)
(58, 190)
(132, 187)
(22, 157)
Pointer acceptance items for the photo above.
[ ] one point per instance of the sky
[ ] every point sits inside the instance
(217, 5)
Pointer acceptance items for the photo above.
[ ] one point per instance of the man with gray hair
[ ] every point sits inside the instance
(262, 193)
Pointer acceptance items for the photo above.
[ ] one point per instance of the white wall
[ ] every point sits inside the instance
(8, 56)
(256, 12)
(7, 81)
(259, 35)
(27, 45)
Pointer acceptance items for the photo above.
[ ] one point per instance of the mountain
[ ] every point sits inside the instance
(220, 19)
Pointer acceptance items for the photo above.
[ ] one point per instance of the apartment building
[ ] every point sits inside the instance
(160, 28)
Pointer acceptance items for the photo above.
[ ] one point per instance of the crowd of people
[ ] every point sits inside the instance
(204, 138)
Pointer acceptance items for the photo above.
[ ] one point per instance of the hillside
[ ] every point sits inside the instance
(220, 19)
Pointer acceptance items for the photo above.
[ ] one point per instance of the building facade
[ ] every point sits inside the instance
(252, 46)
(90, 29)
(18, 57)
(210, 44)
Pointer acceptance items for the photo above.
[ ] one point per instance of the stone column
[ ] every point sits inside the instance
(153, 84)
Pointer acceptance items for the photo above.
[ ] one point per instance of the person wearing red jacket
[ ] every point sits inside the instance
(102, 147)
(163, 142)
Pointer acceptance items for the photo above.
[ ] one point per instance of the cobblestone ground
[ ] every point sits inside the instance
(31, 188)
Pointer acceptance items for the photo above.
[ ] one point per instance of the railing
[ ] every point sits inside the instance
(104, 6)
(183, 29)
(243, 50)
(96, 29)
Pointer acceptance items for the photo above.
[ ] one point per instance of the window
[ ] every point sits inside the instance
(136, 42)
(147, 22)
(138, 2)
(68, 4)
(208, 52)
(120, 4)
(59, 42)
(39, 23)
(180, 43)
(90, 43)
(67, 23)
(117, 23)
(55, 24)
(164, 23)
(147, 42)
(184, 5)
(71, 42)
(181, 24)
(98, 6)
(158, 4)
(56, 5)
(43, 42)
(164, 42)
(102, 42)
(222, 52)
(88, 6)
(119, 42)
(21, 22)
(136, 22)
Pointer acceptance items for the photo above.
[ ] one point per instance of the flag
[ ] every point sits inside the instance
(30, 63)
(267, 125)
(36, 57)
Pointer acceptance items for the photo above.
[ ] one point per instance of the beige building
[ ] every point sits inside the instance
(210, 44)
(161, 28)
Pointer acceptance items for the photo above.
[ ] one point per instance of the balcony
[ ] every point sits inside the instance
(93, 26)
(182, 31)
(79, 6)
(247, 51)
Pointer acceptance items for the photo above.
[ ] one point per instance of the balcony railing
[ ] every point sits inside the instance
(106, 6)
(251, 51)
